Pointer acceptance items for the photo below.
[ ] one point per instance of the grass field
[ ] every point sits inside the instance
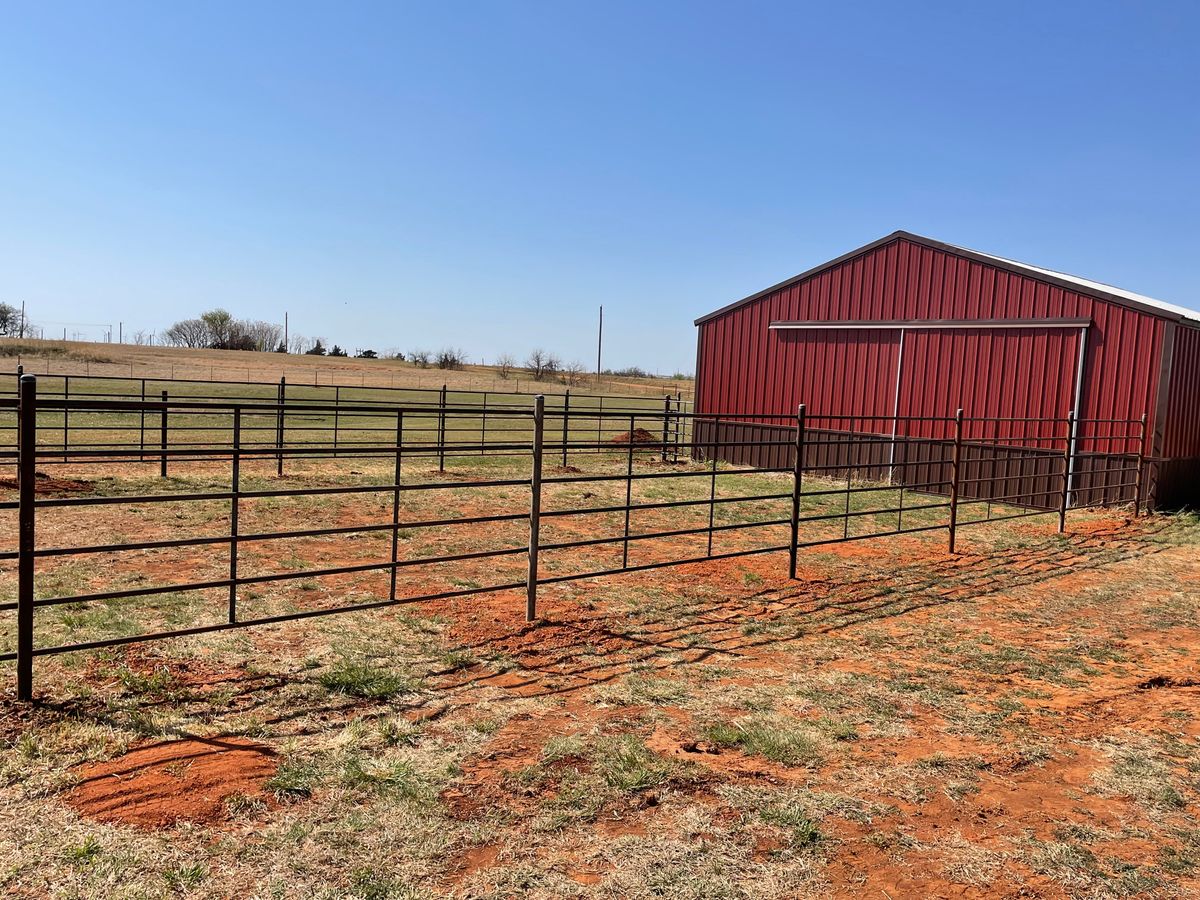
(1020, 719)
(126, 360)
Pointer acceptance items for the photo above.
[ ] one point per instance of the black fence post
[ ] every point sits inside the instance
(535, 508)
(442, 430)
(628, 493)
(396, 502)
(797, 484)
(337, 416)
(666, 425)
(1139, 475)
(234, 505)
(956, 477)
(566, 410)
(1064, 499)
(141, 426)
(281, 401)
(162, 438)
(27, 478)
(67, 415)
(483, 427)
(712, 483)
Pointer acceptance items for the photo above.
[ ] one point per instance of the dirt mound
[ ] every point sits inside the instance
(159, 784)
(44, 484)
(637, 436)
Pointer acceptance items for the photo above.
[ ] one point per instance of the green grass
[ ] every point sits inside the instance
(775, 737)
(359, 678)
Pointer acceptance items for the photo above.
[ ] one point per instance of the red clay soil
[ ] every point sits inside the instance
(156, 785)
(44, 484)
(637, 436)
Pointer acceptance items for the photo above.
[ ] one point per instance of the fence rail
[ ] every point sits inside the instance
(829, 479)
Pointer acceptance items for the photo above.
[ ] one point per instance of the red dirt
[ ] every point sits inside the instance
(45, 484)
(156, 785)
(637, 436)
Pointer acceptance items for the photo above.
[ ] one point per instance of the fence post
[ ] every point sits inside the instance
(337, 416)
(67, 415)
(27, 477)
(396, 503)
(679, 425)
(1064, 499)
(666, 424)
(234, 504)
(1138, 478)
(566, 409)
(797, 483)
(483, 427)
(956, 477)
(712, 483)
(281, 400)
(442, 430)
(535, 508)
(141, 427)
(628, 494)
(162, 439)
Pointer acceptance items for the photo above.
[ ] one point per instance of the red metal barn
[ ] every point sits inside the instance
(909, 327)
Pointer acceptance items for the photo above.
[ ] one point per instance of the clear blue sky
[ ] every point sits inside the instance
(486, 174)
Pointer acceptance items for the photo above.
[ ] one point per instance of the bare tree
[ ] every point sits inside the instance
(13, 321)
(141, 338)
(420, 358)
(574, 372)
(535, 363)
(505, 364)
(449, 358)
(188, 333)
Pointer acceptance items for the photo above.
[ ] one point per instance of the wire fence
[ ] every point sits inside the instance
(508, 505)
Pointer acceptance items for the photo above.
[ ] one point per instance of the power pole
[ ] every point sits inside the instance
(285, 332)
(120, 332)
(21, 325)
(599, 342)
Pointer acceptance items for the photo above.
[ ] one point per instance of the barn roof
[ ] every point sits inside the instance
(1061, 279)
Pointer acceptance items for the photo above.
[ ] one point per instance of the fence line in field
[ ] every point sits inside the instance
(829, 467)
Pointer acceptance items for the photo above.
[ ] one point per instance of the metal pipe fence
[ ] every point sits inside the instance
(94, 415)
(666, 488)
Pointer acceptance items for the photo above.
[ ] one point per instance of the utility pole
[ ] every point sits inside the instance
(599, 342)
(285, 332)
(22, 323)
(120, 332)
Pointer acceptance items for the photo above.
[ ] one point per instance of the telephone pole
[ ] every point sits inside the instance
(599, 342)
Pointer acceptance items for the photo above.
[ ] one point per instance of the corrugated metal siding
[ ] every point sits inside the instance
(744, 368)
(1182, 436)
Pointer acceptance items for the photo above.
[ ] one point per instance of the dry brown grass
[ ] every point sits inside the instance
(78, 358)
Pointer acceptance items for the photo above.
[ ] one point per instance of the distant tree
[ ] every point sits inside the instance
(13, 323)
(141, 338)
(573, 372)
(535, 363)
(449, 358)
(188, 333)
(317, 349)
(541, 365)
(221, 326)
(420, 358)
(366, 354)
(337, 351)
(282, 348)
(505, 364)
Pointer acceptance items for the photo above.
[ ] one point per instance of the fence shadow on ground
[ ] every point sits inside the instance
(556, 656)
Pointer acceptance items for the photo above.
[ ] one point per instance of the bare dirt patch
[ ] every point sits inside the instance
(48, 484)
(159, 784)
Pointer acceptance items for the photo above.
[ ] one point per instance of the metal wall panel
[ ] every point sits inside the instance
(744, 367)
(1182, 427)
